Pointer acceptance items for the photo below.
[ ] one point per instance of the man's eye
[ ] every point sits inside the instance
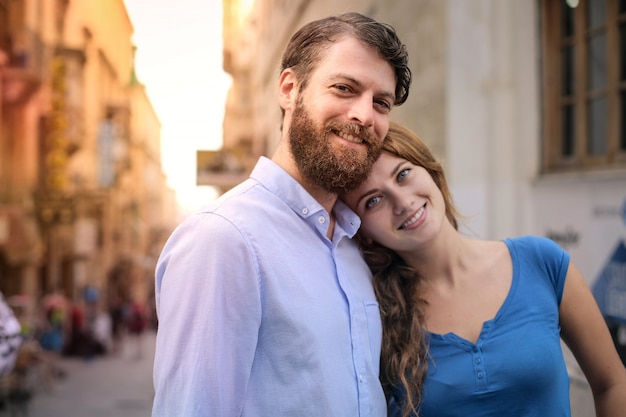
(342, 87)
(383, 103)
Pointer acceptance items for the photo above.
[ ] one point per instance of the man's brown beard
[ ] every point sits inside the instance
(335, 170)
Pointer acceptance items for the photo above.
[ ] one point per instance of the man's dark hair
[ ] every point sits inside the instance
(306, 45)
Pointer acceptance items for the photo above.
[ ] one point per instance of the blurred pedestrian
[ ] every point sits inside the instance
(77, 329)
(11, 342)
(10, 337)
(117, 312)
(83, 342)
(102, 330)
(52, 337)
(137, 323)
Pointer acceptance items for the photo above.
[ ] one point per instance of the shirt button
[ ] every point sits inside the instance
(360, 378)
(477, 360)
(480, 375)
(322, 219)
(305, 210)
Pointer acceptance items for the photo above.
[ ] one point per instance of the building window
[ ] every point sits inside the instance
(584, 84)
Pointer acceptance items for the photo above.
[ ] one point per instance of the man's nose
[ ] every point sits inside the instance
(362, 110)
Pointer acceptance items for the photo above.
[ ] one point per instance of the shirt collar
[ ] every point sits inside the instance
(280, 183)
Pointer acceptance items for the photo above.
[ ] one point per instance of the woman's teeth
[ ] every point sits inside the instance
(413, 219)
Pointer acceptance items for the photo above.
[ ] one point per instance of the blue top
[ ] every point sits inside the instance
(516, 368)
(260, 314)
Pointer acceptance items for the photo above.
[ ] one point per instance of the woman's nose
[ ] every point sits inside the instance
(402, 203)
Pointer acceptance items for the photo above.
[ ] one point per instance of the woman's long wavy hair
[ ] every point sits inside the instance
(399, 287)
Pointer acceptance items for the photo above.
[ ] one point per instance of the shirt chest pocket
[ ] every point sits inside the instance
(374, 330)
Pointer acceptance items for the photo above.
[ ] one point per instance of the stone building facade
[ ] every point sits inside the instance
(83, 198)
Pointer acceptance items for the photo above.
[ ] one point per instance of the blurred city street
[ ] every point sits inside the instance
(106, 386)
(121, 386)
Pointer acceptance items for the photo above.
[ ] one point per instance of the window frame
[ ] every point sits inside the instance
(554, 101)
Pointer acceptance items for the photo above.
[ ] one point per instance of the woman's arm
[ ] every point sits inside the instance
(586, 334)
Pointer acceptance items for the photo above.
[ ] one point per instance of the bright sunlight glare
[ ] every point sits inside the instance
(179, 60)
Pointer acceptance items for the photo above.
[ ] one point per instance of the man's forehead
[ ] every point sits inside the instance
(351, 60)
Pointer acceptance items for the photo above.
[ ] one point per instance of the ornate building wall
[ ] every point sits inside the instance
(83, 198)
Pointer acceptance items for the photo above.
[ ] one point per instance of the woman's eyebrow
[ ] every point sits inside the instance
(392, 174)
(365, 195)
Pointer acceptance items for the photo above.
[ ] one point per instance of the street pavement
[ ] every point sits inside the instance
(106, 386)
(121, 386)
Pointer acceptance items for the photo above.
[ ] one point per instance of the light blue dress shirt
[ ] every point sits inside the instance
(261, 315)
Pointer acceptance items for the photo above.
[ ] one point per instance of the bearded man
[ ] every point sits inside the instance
(265, 305)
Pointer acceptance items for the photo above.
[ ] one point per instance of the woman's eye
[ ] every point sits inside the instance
(371, 202)
(403, 174)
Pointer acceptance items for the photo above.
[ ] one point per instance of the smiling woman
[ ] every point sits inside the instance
(179, 59)
(473, 326)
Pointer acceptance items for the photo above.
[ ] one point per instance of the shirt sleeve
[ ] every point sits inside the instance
(209, 310)
(555, 262)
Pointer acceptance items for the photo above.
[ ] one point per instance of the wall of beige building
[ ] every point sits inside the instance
(492, 113)
(493, 153)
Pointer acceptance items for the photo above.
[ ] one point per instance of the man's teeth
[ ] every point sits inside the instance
(413, 219)
(350, 138)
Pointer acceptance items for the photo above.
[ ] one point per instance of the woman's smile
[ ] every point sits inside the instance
(414, 218)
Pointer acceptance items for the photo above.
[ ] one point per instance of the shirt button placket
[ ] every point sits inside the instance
(479, 368)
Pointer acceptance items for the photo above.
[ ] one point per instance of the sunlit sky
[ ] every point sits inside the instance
(179, 60)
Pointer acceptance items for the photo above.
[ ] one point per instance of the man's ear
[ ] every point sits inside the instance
(287, 89)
